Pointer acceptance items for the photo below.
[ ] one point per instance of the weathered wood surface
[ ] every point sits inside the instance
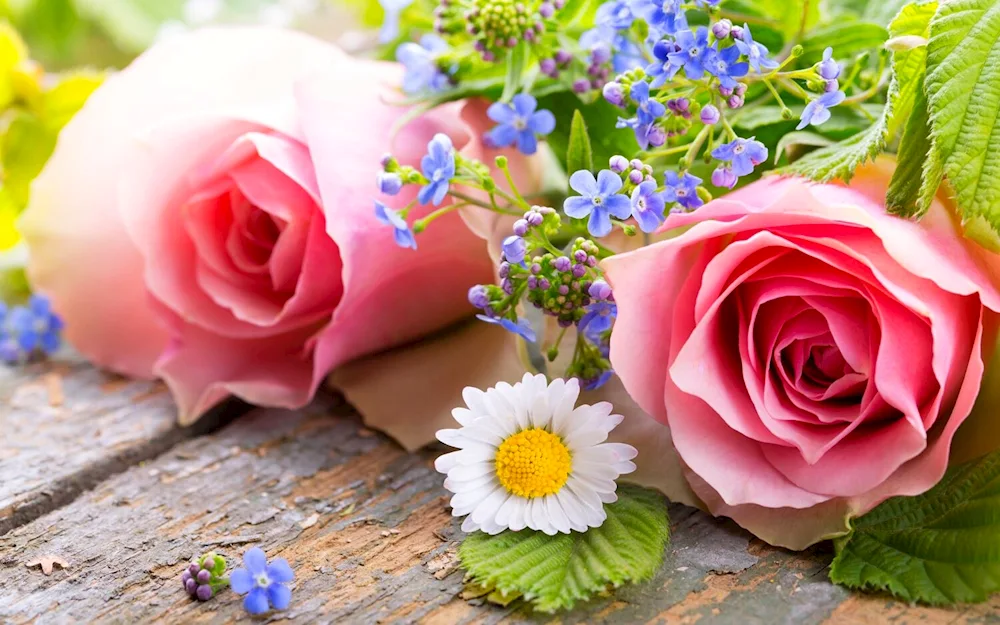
(366, 528)
(64, 427)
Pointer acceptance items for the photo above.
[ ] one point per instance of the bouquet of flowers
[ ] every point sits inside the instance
(740, 252)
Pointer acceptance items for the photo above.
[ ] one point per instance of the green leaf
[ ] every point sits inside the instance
(24, 149)
(800, 137)
(515, 69)
(579, 154)
(847, 38)
(606, 140)
(941, 547)
(554, 572)
(904, 195)
(839, 161)
(132, 24)
(963, 87)
(62, 102)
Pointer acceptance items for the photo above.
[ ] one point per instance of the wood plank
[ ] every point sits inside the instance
(366, 528)
(64, 427)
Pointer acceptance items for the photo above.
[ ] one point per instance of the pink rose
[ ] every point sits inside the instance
(208, 219)
(812, 355)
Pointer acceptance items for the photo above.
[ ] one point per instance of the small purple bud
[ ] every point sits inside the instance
(185, 576)
(710, 115)
(724, 178)
(597, 83)
(204, 576)
(563, 289)
(600, 290)
(683, 105)
(614, 93)
(194, 568)
(511, 42)
(489, 57)
(536, 268)
(478, 296)
(600, 53)
(548, 66)
(656, 136)
(722, 28)
(472, 29)
(529, 36)
(544, 284)
(828, 69)
(565, 323)
(385, 160)
(618, 163)
(580, 256)
(514, 248)
(532, 282)
(563, 57)
(390, 184)
(591, 261)
(534, 218)
(831, 86)
(741, 89)
(559, 4)
(507, 286)
(545, 210)
(579, 271)
(636, 163)
(521, 227)
(546, 10)
(635, 176)
(479, 46)
(737, 32)
(725, 91)
(562, 264)
(581, 86)
(504, 270)
(735, 101)
(204, 592)
(190, 586)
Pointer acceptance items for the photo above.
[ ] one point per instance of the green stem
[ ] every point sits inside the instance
(468, 199)
(695, 146)
(505, 167)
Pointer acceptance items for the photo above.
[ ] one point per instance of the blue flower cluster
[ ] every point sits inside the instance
(628, 190)
(28, 331)
(437, 170)
(696, 73)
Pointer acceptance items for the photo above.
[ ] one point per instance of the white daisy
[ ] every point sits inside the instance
(529, 458)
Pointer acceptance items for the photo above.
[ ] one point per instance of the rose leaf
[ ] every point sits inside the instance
(554, 572)
(942, 547)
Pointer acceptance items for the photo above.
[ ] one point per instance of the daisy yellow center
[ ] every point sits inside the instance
(533, 463)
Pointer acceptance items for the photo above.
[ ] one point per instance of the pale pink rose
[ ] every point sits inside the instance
(208, 219)
(811, 355)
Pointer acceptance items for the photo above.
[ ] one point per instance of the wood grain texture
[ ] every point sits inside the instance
(64, 427)
(366, 528)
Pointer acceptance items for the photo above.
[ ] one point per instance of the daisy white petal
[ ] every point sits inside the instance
(530, 458)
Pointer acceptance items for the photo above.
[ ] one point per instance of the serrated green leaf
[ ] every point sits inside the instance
(963, 87)
(515, 69)
(554, 572)
(839, 161)
(904, 196)
(941, 547)
(579, 154)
